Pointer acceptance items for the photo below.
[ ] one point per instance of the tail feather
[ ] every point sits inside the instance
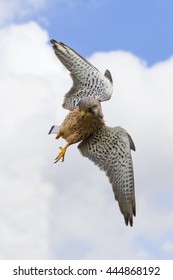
(54, 129)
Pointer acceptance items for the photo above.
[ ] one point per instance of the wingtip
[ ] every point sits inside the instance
(128, 221)
(53, 41)
(52, 127)
(108, 76)
(132, 145)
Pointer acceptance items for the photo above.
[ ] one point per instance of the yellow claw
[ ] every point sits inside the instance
(61, 154)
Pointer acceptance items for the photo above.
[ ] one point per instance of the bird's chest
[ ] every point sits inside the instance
(81, 126)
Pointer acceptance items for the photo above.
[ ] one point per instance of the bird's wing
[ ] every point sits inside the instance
(109, 148)
(87, 80)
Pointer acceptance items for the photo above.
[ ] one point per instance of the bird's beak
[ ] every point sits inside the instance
(98, 112)
(82, 112)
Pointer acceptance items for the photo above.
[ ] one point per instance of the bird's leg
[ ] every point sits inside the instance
(59, 134)
(61, 153)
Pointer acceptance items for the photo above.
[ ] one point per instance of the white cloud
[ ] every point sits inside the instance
(68, 210)
(25, 198)
(168, 246)
(12, 9)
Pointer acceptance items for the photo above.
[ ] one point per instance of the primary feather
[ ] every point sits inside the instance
(88, 81)
(109, 148)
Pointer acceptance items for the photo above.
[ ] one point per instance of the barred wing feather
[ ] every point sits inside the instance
(109, 148)
(87, 80)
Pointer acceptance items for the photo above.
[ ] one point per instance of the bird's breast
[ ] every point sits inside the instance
(80, 125)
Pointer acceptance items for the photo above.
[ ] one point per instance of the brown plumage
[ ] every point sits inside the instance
(83, 121)
(109, 148)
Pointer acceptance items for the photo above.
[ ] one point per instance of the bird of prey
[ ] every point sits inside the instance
(108, 147)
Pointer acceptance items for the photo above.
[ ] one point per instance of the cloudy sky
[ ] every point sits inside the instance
(67, 210)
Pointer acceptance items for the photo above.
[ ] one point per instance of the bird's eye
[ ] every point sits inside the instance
(93, 107)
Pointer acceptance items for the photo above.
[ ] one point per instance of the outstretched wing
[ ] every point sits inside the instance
(87, 80)
(109, 148)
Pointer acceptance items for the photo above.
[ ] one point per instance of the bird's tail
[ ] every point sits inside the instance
(54, 129)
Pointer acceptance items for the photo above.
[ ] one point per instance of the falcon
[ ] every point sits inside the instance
(108, 147)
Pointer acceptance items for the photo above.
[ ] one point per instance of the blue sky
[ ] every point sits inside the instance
(53, 211)
(142, 27)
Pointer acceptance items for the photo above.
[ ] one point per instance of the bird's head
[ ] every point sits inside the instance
(90, 106)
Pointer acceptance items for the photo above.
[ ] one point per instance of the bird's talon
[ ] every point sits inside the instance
(61, 154)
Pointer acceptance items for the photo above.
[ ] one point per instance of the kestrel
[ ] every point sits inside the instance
(108, 147)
